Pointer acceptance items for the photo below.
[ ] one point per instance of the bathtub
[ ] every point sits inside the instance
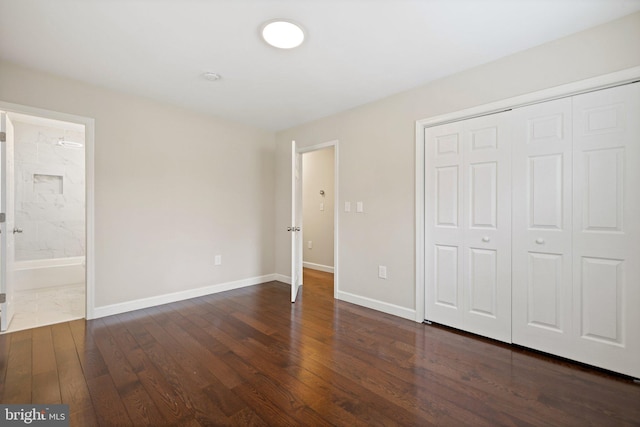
(45, 273)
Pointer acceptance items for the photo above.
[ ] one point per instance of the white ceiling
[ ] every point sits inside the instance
(357, 51)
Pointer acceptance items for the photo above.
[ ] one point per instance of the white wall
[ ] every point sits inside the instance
(173, 188)
(49, 197)
(317, 224)
(377, 157)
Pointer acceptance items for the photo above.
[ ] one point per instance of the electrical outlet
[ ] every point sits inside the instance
(382, 271)
(218, 260)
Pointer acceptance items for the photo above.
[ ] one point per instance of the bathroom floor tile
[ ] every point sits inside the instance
(39, 307)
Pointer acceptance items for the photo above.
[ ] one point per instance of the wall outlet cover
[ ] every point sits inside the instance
(382, 271)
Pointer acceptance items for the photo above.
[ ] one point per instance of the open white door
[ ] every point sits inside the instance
(7, 191)
(296, 221)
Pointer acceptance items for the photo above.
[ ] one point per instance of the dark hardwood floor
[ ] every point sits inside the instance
(250, 357)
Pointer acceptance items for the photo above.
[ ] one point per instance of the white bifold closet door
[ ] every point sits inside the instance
(468, 225)
(542, 225)
(576, 234)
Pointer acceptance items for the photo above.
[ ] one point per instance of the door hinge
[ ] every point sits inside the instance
(3, 137)
(3, 217)
(3, 298)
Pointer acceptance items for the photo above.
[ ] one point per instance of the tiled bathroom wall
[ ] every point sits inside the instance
(50, 193)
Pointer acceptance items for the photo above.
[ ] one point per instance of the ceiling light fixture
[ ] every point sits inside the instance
(282, 34)
(211, 76)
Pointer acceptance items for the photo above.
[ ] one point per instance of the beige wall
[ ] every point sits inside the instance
(317, 174)
(377, 144)
(173, 188)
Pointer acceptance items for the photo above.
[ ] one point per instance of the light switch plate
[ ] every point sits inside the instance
(321, 206)
(347, 206)
(359, 207)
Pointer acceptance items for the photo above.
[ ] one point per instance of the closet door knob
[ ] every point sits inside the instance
(485, 239)
(539, 240)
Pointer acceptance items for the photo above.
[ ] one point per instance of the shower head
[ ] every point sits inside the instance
(68, 144)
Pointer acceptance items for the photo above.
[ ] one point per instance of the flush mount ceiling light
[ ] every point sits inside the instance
(211, 76)
(282, 34)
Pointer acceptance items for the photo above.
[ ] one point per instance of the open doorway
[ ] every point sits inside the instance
(47, 260)
(318, 200)
(319, 188)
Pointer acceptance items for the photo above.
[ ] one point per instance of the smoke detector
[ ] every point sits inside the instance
(211, 76)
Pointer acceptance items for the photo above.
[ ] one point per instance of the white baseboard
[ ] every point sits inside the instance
(319, 267)
(373, 304)
(282, 278)
(138, 304)
(142, 303)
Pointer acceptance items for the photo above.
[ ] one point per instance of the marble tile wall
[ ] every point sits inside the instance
(50, 193)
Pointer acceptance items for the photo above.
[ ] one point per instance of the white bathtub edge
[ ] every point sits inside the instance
(47, 263)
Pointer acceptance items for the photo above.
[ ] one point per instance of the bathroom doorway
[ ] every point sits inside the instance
(48, 268)
(314, 207)
(318, 209)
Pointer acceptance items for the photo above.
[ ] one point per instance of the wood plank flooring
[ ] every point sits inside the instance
(250, 357)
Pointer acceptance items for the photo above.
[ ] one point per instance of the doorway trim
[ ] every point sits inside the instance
(629, 75)
(307, 149)
(89, 135)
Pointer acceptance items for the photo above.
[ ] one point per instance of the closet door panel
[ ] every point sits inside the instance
(483, 282)
(602, 189)
(606, 223)
(601, 309)
(483, 195)
(443, 224)
(487, 226)
(446, 197)
(544, 292)
(446, 284)
(542, 241)
(545, 192)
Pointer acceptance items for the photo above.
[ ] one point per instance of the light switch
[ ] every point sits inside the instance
(322, 206)
(310, 244)
(359, 207)
(347, 206)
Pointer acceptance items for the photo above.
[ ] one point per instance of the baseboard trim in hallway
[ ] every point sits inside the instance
(319, 267)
